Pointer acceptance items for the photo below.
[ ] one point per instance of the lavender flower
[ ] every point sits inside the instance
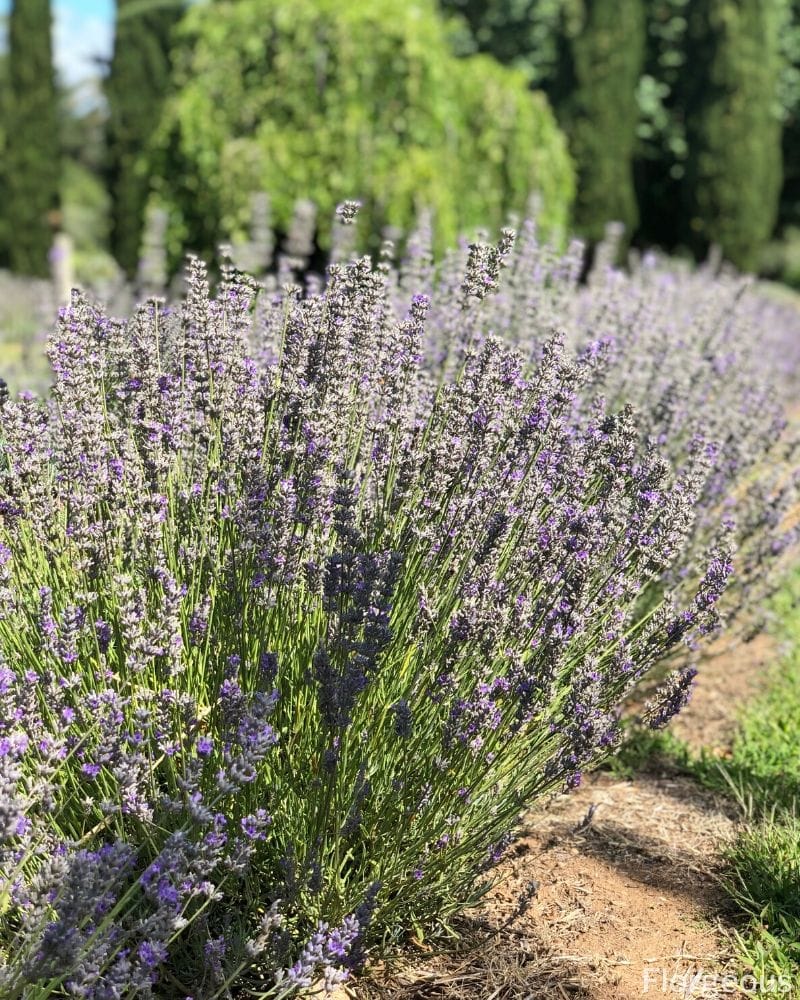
(670, 698)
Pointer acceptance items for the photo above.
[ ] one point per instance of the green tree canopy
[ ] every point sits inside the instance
(713, 80)
(5, 104)
(601, 113)
(789, 38)
(587, 55)
(31, 165)
(661, 149)
(334, 99)
(528, 34)
(733, 126)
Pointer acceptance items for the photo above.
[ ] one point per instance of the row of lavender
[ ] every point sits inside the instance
(305, 593)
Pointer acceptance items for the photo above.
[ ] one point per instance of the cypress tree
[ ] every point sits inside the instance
(32, 141)
(733, 127)
(600, 112)
(4, 109)
(789, 211)
(136, 86)
(588, 57)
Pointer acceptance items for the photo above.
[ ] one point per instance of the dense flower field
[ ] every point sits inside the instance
(307, 591)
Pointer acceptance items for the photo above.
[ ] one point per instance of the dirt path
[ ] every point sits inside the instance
(724, 684)
(624, 901)
(627, 904)
(630, 899)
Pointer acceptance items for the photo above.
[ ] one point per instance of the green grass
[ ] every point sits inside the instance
(762, 864)
(763, 879)
(644, 749)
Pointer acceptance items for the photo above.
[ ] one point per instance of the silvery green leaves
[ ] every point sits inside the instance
(306, 594)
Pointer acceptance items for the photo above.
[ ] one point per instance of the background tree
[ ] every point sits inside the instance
(526, 34)
(5, 105)
(601, 113)
(733, 127)
(32, 168)
(588, 56)
(789, 39)
(781, 258)
(334, 99)
(137, 84)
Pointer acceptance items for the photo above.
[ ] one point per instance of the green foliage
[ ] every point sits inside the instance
(735, 74)
(763, 878)
(86, 211)
(661, 149)
(602, 113)
(330, 100)
(763, 862)
(86, 205)
(763, 769)
(4, 109)
(32, 140)
(765, 871)
(677, 76)
(780, 261)
(733, 127)
(766, 748)
(527, 34)
(789, 98)
(644, 749)
(587, 55)
(137, 83)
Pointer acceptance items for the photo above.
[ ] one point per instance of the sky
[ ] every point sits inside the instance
(82, 30)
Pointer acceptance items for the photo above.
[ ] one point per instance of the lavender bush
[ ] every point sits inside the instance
(695, 351)
(303, 597)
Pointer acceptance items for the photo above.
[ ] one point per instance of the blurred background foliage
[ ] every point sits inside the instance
(332, 99)
(679, 118)
(31, 154)
(674, 109)
(137, 84)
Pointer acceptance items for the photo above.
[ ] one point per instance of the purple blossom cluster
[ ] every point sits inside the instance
(702, 355)
(305, 592)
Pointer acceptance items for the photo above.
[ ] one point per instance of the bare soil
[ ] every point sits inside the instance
(626, 898)
(628, 903)
(724, 684)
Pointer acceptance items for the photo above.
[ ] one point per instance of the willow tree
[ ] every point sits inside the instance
(333, 99)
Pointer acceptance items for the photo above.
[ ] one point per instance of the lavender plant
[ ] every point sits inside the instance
(694, 351)
(296, 618)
